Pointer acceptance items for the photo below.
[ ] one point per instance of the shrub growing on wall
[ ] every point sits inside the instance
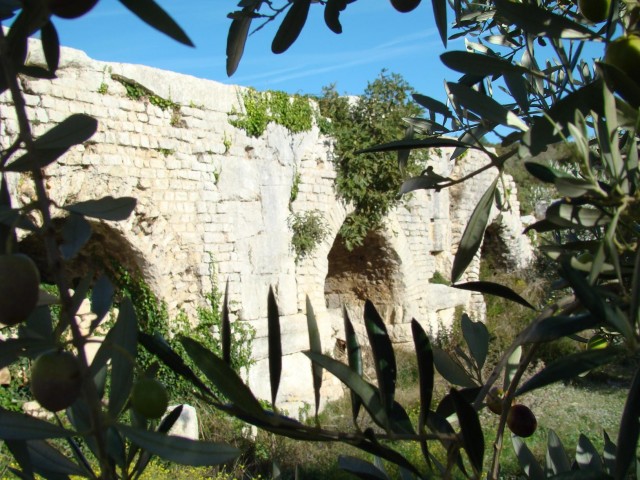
(309, 229)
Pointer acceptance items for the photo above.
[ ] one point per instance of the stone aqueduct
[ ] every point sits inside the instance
(214, 203)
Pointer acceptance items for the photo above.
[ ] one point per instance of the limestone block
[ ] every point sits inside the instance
(240, 182)
(287, 289)
(187, 423)
(293, 329)
(5, 376)
(441, 236)
(400, 333)
(92, 346)
(440, 297)
(297, 383)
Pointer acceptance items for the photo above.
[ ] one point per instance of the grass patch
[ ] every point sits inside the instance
(586, 406)
(570, 410)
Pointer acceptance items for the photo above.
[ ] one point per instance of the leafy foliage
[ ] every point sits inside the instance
(136, 91)
(154, 318)
(309, 229)
(370, 182)
(260, 108)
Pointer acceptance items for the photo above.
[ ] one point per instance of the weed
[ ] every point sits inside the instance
(295, 188)
(136, 91)
(226, 141)
(309, 229)
(439, 279)
(165, 151)
(176, 117)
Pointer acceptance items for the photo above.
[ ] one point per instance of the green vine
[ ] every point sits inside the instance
(136, 91)
(153, 316)
(295, 113)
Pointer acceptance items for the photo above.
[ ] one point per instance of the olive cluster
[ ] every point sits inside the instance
(56, 375)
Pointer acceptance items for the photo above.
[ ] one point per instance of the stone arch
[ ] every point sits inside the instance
(371, 271)
(505, 245)
(106, 249)
(494, 248)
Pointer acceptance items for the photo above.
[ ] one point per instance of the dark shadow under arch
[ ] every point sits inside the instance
(494, 252)
(106, 251)
(371, 271)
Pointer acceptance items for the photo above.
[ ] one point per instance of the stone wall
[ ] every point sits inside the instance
(213, 205)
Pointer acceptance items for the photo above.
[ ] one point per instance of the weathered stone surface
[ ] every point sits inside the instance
(208, 212)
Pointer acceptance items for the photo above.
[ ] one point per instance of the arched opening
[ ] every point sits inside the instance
(495, 253)
(371, 271)
(106, 251)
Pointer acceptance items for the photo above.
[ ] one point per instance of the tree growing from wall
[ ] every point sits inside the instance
(370, 182)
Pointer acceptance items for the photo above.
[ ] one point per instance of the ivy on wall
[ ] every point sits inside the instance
(295, 113)
(153, 316)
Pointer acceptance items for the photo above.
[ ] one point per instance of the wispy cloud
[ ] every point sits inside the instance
(315, 64)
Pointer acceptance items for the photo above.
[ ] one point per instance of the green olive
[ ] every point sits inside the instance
(19, 288)
(595, 11)
(624, 53)
(56, 380)
(149, 398)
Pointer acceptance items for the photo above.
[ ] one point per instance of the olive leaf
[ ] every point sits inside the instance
(484, 106)
(473, 233)
(237, 38)
(291, 26)
(383, 355)
(332, 14)
(106, 208)
(315, 345)
(154, 15)
(275, 345)
(179, 449)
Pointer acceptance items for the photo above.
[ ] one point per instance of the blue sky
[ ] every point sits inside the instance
(374, 37)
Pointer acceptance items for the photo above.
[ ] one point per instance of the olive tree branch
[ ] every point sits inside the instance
(54, 258)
